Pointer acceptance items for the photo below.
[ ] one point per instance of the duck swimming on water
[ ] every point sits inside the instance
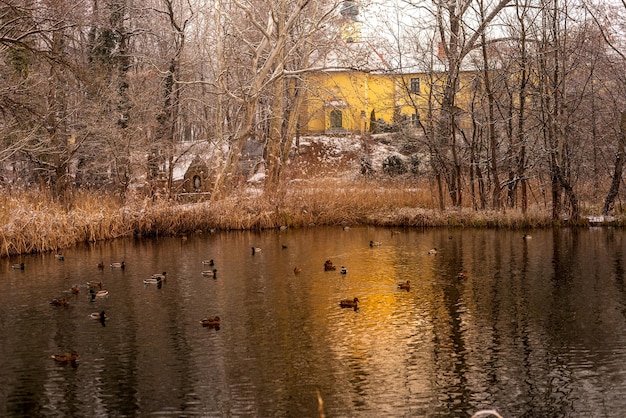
(349, 303)
(328, 266)
(120, 265)
(98, 315)
(59, 302)
(70, 357)
(405, 286)
(211, 322)
(210, 273)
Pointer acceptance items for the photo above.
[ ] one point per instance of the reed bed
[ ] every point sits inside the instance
(33, 222)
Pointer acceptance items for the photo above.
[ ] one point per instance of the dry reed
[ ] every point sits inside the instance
(33, 222)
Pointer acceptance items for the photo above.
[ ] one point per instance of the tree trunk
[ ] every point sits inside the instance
(619, 166)
(56, 120)
(491, 123)
(274, 160)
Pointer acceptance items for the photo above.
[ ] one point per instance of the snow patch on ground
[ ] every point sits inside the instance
(310, 156)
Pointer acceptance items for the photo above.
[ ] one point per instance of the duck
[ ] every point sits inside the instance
(161, 276)
(59, 257)
(101, 265)
(75, 289)
(405, 286)
(153, 280)
(432, 251)
(98, 315)
(349, 303)
(19, 266)
(375, 243)
(208, 262)
(59, 302)
(102, 293)
(210, 273)
(526, 236)
(70, 357)
(328, 266)
(344, 270)
(462, 275)
(120, 265)
(211, 322)
(296, 270)
(255, 250)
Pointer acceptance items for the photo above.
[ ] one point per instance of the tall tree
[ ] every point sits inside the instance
(609, 19)
(262, 43)
(458, 38)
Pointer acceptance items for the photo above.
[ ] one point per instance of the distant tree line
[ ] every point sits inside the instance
(547, 102)
(110, 94)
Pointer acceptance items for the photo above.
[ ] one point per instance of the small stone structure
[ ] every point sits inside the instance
(251, 159)
(196, 177)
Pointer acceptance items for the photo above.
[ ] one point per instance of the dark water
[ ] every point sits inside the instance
(537, 329)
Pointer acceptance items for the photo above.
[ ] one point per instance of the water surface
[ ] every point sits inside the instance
(535, 329)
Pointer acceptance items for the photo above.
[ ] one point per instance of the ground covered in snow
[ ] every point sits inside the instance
(311, 157)
(341, 156)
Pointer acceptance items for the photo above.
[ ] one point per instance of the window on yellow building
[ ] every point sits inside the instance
(336, 119)
(415, 85)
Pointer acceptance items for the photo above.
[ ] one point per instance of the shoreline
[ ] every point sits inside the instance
(29, 225)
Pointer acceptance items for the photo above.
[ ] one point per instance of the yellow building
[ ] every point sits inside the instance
(351, 100)
(343, 101)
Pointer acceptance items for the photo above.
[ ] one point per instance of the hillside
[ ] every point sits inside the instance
(339, 157)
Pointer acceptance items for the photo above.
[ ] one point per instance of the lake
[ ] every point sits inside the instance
(532, 328)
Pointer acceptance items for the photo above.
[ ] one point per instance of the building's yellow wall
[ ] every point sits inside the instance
(356, 94)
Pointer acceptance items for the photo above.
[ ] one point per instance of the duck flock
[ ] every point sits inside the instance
(95, 290)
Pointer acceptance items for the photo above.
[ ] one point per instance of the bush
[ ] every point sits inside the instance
(414, 164)
(366, 166)
(394, 166)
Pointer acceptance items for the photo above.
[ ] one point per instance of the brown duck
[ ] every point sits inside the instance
(65, 357)
(405, 286)
(349, 303)
(328, 266)
(211, 322)
(59, 302)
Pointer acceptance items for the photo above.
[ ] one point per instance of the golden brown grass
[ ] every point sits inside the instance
(33, 222)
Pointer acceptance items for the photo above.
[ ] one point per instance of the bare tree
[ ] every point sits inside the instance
(609, 19)
(262, 41)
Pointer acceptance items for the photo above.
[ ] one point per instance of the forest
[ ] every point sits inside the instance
(107, 96)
